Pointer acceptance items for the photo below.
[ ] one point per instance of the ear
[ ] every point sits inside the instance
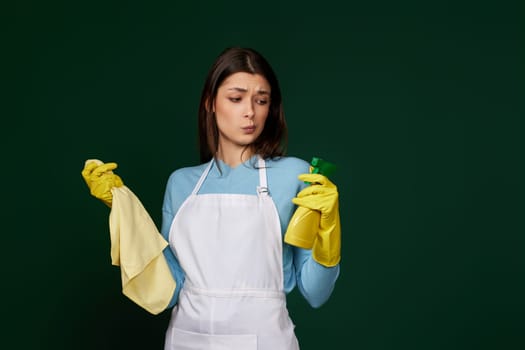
(209, 105)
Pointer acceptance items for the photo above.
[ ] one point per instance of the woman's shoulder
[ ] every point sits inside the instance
(289, 164)
(283, 175)
(186, 175)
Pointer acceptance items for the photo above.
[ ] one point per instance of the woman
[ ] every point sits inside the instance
(225, 219)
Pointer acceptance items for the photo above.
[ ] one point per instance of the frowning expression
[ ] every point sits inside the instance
(241, 108)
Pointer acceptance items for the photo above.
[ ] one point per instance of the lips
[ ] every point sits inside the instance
(248, 129)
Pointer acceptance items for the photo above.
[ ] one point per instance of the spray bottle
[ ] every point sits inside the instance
(304, 224)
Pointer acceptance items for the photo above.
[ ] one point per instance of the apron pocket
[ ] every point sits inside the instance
(185, 340)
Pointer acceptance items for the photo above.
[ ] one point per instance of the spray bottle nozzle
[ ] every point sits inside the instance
(320, 166)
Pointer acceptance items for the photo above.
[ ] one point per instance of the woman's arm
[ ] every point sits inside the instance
(170, 204)
(315, 281)
(172, 261)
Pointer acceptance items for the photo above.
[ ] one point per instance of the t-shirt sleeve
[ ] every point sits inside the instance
(315, 281)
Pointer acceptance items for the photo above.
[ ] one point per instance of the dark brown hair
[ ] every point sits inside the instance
(272, 141)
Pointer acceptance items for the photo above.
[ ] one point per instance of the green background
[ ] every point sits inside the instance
(419, 103)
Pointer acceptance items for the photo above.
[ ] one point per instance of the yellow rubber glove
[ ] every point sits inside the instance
(322, 196)
(100, 179)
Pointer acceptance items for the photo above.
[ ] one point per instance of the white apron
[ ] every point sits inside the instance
(230, 249)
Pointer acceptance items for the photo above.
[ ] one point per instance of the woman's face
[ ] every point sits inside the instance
(241, 108)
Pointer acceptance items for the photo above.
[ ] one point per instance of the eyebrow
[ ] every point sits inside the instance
(259, 92)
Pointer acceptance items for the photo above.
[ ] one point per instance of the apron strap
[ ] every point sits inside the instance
(202, 178)
(262, 189)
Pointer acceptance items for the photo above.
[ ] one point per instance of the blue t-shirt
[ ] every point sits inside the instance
(315, 281)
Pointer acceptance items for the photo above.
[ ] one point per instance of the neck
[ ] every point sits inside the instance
(234, 156)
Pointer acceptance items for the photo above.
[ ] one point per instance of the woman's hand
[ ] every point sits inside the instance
(100, 179)
(322, 196)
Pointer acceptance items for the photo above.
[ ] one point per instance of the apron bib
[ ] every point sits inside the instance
(230, 249)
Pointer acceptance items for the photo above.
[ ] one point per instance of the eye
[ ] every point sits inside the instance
(234, 99)
(262, 102)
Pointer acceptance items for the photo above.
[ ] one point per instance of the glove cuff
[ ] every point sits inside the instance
(327, 247)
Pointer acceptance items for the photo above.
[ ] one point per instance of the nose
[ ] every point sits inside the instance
(249, 110)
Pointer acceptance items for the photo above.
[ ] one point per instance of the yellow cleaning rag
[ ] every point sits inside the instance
(136, 246)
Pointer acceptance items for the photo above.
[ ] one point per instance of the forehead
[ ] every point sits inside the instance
(246, 81)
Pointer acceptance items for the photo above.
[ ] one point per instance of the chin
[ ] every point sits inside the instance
(248, 139)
